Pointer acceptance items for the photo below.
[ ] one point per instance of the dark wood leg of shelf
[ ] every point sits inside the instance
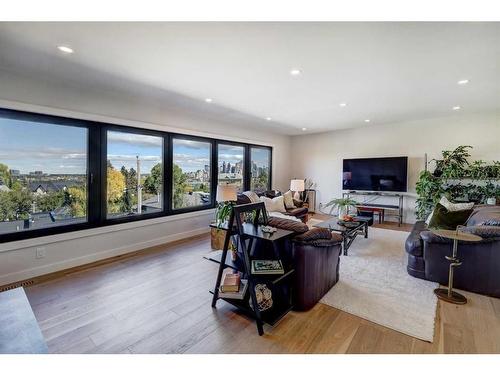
(221, 267)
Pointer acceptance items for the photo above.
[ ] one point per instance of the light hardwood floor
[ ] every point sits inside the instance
(157, 301)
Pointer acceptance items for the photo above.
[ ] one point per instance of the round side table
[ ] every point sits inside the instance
(448, 294)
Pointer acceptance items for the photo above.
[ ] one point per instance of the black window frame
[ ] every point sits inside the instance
(97, 170)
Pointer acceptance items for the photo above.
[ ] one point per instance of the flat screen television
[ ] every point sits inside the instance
(375, 174)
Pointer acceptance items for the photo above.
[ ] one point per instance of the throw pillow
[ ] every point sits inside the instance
(288, 197)
(455, 206)
(254, 198)
(287, 224)
(275, 204)
(444, 219)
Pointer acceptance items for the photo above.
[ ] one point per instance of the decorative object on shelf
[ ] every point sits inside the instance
(342, 205)
(230, 282)
(240, 294)
(268, 229)
(458, 179)
(264, 297)
(297, 186)
(267, 267)
(448, 294)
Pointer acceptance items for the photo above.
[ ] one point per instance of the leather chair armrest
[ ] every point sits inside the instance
(430, 237)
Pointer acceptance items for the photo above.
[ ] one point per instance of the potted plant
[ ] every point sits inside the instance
(342, 205)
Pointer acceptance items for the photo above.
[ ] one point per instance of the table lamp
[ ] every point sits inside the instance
(226, 193)
(297, 186)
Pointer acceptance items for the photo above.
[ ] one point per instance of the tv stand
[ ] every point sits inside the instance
(398, 198)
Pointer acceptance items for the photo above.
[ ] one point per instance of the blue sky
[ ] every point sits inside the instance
(29, 146)
(124, 147)
(191, 155)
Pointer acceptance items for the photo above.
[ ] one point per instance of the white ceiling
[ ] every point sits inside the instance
(385, 72)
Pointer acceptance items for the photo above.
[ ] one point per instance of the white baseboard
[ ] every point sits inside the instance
(89, 258)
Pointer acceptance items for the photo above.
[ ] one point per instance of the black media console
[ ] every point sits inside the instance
(395, 209)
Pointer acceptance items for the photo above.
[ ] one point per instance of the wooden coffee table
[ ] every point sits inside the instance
(349, 231)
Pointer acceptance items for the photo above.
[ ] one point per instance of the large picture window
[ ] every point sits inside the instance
(260, 169)
(191, 172)
(230, 160)
(60, 174)
(134, 174)
(43, 175)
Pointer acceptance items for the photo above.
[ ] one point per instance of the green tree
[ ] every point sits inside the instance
(5, 178)
(50, 201)
(77, 198)
(6, 206)
(153, 182)
(21, 203)
(180, 186)
(115, 189)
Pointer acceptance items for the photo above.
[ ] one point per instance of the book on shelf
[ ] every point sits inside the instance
(267, 267)
(230, 282)
(240, 294)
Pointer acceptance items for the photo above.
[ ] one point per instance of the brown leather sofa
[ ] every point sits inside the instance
(299, 212)
(315, 254)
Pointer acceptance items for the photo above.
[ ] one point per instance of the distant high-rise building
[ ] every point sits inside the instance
(36, 173)
(15, 172)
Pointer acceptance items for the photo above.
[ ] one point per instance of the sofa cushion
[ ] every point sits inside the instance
(288, 197)
(445, 219)
(300, 211)
(315, 234)
(295, 226)
(482, 214)
(275, 204)
(252, 196)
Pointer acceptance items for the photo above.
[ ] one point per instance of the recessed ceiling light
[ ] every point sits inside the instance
(65, 49)
(268, 118)
(295, 72)
(367, 120)
(456, 108)
(343, 104)
(463, 82)
(208, 100)
(304, 129)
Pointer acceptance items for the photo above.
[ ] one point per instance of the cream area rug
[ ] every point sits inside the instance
(374, 285)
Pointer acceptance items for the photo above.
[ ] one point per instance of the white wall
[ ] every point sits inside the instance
(321, 159)
(17, 259)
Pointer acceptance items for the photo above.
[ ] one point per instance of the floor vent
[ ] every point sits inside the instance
(17, 285)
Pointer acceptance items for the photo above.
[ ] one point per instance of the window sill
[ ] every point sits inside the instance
(45, 240)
